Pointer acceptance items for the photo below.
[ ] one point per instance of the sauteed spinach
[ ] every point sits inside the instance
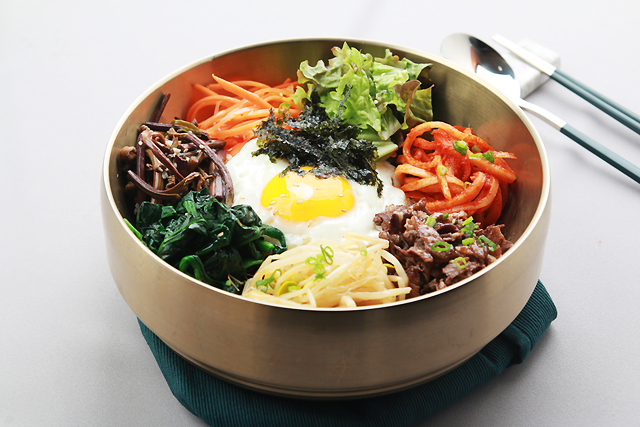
(207, 240)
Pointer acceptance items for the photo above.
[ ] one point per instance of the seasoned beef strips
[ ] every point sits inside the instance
(438, 250)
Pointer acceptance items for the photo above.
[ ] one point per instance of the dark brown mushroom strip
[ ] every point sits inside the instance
(195, 141)
(222, 171)
(128, 155)
(192, 145)
(156, 166)
(161, 127)
(213, 181)
(162, 106)
(158, 139)
(166, 153)
(192, 161)
(159, 154)
(199, 184)
(214, 145)
(217, 188)
(171, 181)
(173, 193)
(175, 141)
(182, 164)
(166, 127)
(140, 168)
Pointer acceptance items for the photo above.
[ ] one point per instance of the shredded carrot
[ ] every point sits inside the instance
(230, 110)
(241, 92)
(454, 170)
(236, 148)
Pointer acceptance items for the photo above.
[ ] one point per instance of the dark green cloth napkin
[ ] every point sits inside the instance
(219, 403)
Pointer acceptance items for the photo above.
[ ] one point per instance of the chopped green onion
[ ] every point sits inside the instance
(469, 230)
(287, 286)
(468, 241)
(327, 254)
(430, 221)
(492, 246)
(460, 262)
(318, 262)
(461, 147)
(440, 246)
(445, 216)
(267, 282)
(476, 149)
(363, 252)
(475, 155)
(319, 270)
(469, 227)
(442, 170)
(489, 156)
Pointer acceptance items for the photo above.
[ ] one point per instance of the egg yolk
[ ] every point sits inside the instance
(296, 197)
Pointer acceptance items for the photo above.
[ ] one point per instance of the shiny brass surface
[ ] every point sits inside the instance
(334, 353)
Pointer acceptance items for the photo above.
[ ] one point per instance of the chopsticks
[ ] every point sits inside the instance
(615, 160)
(613, 109)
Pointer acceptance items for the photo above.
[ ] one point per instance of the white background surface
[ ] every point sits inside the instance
(71, 352)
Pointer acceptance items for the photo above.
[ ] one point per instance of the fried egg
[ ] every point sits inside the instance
(305, 207)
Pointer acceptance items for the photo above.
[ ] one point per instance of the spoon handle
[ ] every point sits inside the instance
(615, 110)
(618, 162)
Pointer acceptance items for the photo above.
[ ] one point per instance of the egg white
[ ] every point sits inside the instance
(250, 174)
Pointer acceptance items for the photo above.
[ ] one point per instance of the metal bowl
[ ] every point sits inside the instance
(334, 353)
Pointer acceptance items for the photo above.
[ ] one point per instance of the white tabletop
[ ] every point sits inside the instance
(71, 352)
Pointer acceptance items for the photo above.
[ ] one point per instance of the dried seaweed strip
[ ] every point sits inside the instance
(329, 146)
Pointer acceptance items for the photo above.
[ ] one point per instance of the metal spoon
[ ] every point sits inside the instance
(482, 59)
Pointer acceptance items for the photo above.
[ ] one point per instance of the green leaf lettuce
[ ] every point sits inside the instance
(385, 93)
